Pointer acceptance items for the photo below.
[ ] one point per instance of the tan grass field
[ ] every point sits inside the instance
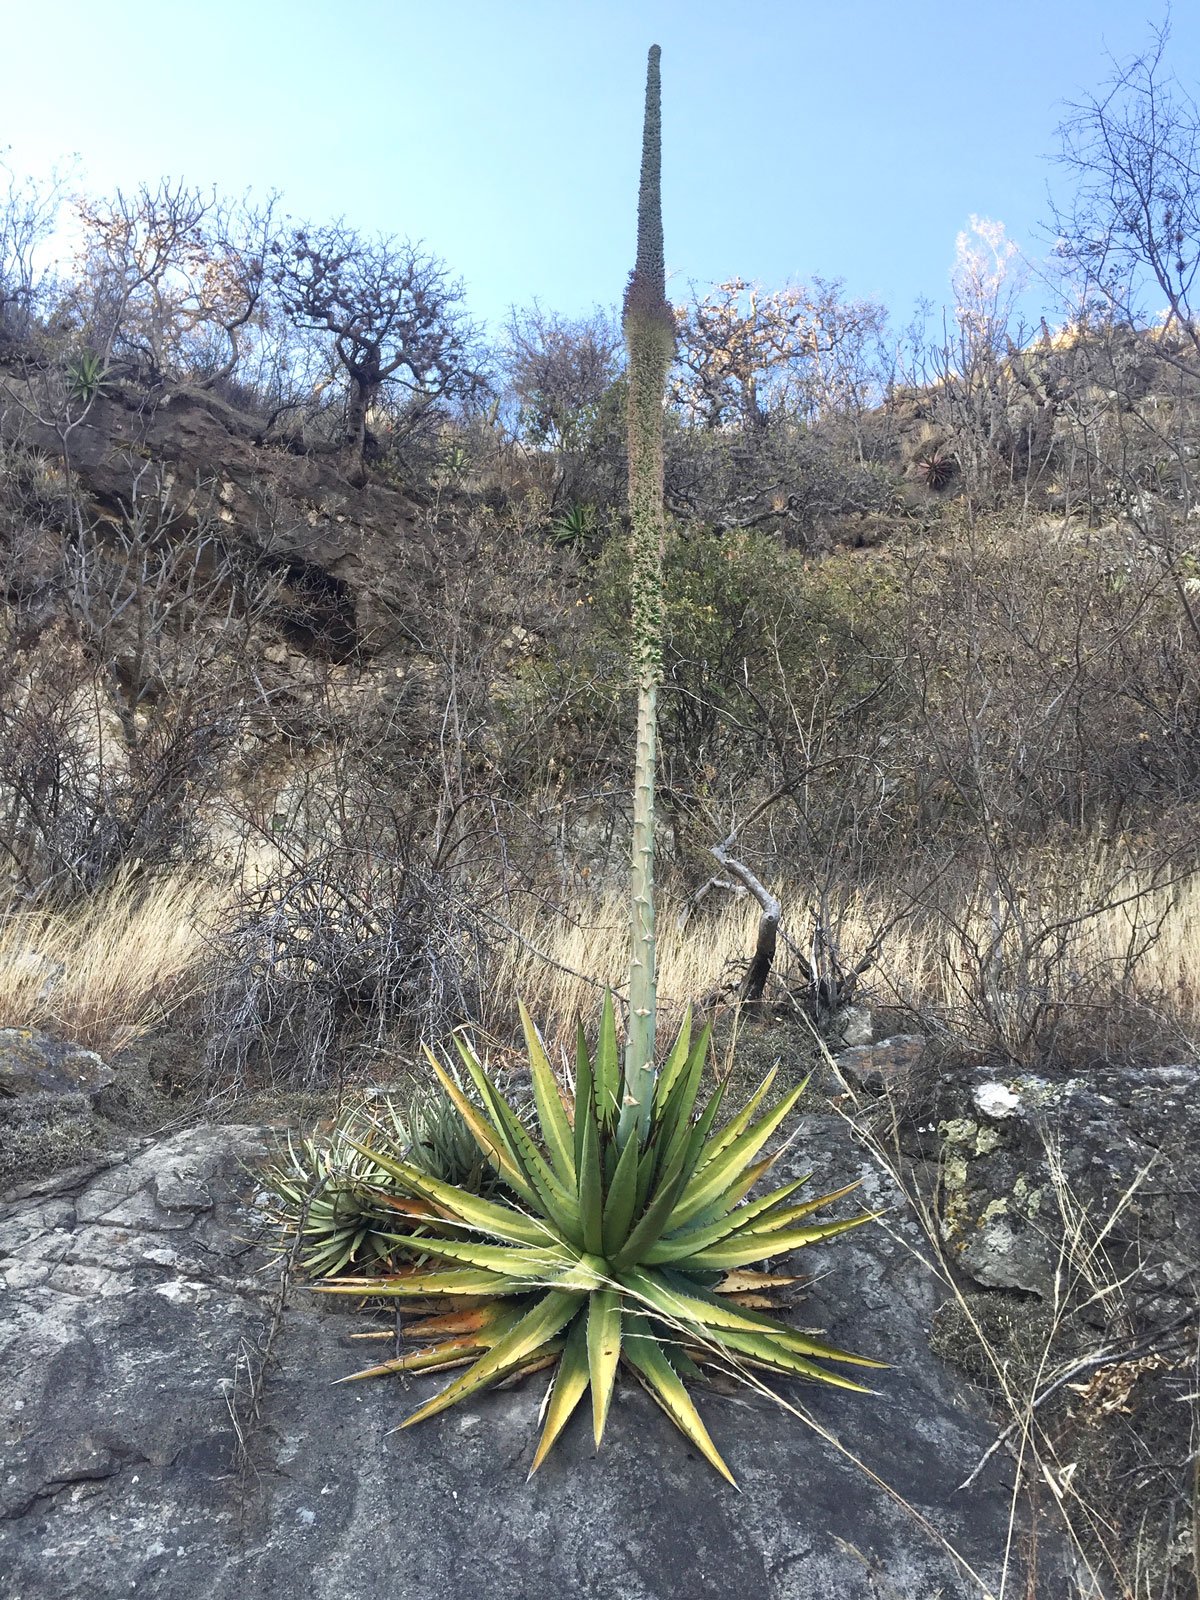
(980, 964)
(980, 967)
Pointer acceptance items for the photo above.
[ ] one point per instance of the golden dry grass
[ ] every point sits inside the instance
(977, 967)
(108, 970)
(985, 967)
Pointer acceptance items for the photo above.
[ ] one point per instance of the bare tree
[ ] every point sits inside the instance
(28, 212)
(745, 352)
(172, 281)
(559, 370)
(1133, 226)
(394, 315)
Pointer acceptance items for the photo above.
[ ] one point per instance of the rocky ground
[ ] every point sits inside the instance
(170, 1424)
(168, 1432)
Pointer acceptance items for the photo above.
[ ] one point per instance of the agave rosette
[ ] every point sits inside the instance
(335, 1204)
(606, 1254)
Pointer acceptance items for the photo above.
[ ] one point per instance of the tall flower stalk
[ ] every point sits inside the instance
(650, 343)
(620, 1230)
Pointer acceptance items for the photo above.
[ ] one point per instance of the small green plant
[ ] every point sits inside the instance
(343, 1204)
(88, 378)
(453, 466)
(607, 1252)
(577, 526)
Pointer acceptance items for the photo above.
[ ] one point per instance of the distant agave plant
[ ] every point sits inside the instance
(88, 377)
(334, 1201)
(577, 526)
(935, 466)
(607, 1253)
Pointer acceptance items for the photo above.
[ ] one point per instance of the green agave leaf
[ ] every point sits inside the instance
(609, 1079)
(486, 1216)
(546, 1355)
(559, 1204)
(570, 1383)
(673, 1125)
(767, 1352)
(503, 1117)
(745, 1248)
(610, 1154)
(537, 1266)
(556, 1130)
(644, 1354)
(792, 1214)
(709, 1183)
(584, 1090)
(647, 1166)
(591, 1188)
(734, 1195)
(714, 1317)
(604, 1318)
(694, 1149)
(728, 1201)
(507, 1355)
(422, 1285)
(585, 1275)
(738, 1124)
(675, 1062)
(656, 1217)
(489, 1139)
(680, 1360)
(622, 1197)
(677, 1246)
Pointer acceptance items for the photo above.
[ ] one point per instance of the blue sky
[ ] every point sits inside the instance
(848, 141)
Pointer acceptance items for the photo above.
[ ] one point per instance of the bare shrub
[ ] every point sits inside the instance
(126, 686)
(337, 951)
(558, 375)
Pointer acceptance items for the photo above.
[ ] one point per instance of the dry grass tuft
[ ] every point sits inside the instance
(108, 970)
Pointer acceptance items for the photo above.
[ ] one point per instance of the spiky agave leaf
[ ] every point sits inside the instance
(600, 1253)
(338, 1203)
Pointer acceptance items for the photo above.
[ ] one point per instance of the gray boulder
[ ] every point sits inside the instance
(33, 1063)
(170, 1429)
(1026, 1158)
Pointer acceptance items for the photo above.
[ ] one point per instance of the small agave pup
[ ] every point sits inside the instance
(624, 1232)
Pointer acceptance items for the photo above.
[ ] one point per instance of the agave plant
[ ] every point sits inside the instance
(609, 1252)
(336, 1199)
(576, 526)
(624, 1231)
(935, 466)
(88, 377)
